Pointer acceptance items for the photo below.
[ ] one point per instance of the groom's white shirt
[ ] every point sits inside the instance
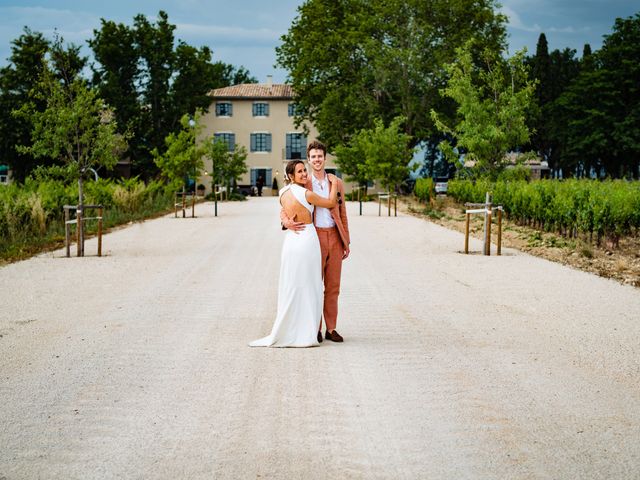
(323, 215)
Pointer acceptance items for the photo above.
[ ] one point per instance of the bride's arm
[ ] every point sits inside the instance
(319, 201)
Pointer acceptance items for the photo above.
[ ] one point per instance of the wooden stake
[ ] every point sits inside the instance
(79, 231)
(67, 232)
(100, 231)
(499, 252)
(487, 224)
(488, 241)
(466, 233)
(175, 205)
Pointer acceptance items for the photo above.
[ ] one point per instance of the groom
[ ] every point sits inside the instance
(333, 233)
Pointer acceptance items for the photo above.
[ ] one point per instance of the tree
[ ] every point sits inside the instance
(228, 166)
(195, 75)
(154, 43)
(76, 127)
(115, 75)
(620, 60)
(601, 108)
(352, 161)
(152, 83)
(492, 107)
(183, 155)
(20, 77)
(351, 61)
(554, 72)
(384, 154)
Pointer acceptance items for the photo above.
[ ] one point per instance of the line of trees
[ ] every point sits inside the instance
(147, 79)
(353, 64)
(588, 119)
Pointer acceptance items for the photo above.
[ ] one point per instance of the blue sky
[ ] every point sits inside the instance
(246, 32)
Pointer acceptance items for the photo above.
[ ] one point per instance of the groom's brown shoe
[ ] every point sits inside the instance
(319, 336)
(333, 336)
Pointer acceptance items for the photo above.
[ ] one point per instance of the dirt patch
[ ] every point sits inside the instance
(621, 263)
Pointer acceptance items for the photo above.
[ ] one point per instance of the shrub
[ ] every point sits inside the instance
(424, 189)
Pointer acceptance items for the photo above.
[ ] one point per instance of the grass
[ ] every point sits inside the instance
(24, 244)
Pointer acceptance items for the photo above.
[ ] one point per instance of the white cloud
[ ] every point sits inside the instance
(516, 22)
(227, 34)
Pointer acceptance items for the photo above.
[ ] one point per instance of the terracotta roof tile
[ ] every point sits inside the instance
(254, 90)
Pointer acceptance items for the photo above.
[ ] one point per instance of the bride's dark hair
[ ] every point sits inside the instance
(290, 170)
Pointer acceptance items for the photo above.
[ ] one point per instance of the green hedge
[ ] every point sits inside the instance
(608, 208)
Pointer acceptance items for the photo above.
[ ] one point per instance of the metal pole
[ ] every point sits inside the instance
(215, 200)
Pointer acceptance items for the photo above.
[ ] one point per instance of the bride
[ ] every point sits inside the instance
(300, 290)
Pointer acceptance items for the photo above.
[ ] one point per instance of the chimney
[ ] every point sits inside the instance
(269, 80)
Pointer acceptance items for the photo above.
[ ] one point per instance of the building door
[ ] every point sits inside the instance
(265, 173)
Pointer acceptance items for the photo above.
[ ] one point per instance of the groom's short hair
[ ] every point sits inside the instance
(318, 146)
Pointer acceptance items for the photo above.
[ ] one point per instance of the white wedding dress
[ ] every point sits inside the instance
(300, 288)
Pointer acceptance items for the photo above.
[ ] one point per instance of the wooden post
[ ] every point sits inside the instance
(489, 212)
(389, 204)
(487, 224)
(193, 205)
(184, 199)
(395, 205)
(79, 231)
(499, 252)
(175, 205)
(466, 233)
(67, 232)
(100, 231)
(379, 204)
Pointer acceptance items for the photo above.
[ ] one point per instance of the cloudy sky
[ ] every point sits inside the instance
(246, 32)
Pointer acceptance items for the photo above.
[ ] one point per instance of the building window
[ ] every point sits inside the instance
(260, 109)
(337, 173)
(293, 110)
(228, 138)
(224, 109)
(296, 146)
(260, 142)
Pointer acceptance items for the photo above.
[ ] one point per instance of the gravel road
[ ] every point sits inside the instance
(136, 365)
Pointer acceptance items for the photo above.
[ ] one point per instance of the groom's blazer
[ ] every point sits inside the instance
(338, 213)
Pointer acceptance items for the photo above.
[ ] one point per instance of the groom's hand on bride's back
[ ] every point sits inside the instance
(292, 225)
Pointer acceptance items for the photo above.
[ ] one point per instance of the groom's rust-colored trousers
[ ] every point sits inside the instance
(332, 250)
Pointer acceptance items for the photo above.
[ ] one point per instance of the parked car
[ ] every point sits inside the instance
(441, 185)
